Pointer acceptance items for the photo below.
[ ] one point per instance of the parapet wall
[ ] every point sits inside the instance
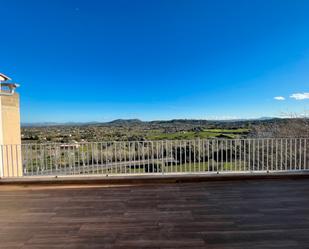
(10, 136)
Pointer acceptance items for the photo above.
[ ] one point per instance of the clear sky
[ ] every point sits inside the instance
(101, 60)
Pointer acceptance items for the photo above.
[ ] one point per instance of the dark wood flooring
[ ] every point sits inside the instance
(228, 214)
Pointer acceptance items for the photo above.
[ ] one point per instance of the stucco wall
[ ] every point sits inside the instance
(11, 137)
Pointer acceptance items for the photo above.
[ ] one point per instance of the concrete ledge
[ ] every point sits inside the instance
(149, 179)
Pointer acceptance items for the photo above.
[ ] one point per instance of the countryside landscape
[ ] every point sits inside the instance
(137, 130)
(137, 147)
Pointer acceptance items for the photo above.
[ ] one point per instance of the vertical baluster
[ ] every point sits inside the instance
(60, 160)
(97, 157)
(121, 157)
(199, 155)
(137, 157)
(285, 153)
(236, 142)
(281, 155)
(300, 154)
(92, 156)
(74, 158)
(152, 158)
(78, 157)
(217, 155)
(185, 168)
(68, 161)
(45, 157)
(101, 157)
(143, 157)
(129, 154)
(240, 155)
(37, 159)
(249, 155)
(169, 158)
(263, 154)
(149, 155)
(189, 155)
(158, 159)
(194, 155)
(229, 153)
(171, 166)
(305, 154)
(178, 150)
(82, 158)
(227, 165)
(257, 155)
(165, 155)
(267, 154)
(203, 155)
(208, 155)
(272, 154)
(161, 150)
(290, 154)
(221, 153)
(175, 156)
(117, 157)
(49, 162)
(295, 152)
(277, 154)
(244, 154)
(212, 155)
(134, 156)
(254, 154)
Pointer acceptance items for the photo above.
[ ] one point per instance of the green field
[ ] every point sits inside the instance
(184, 168)
(204, 134)
(204, 167)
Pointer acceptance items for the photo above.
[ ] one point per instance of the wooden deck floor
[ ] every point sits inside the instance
(229, 214)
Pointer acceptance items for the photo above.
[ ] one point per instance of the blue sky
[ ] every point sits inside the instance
(102, 60)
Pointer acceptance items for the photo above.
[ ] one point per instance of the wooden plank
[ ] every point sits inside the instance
(224, 214)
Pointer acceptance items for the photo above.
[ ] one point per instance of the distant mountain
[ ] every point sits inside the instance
(266, 118)
(128, 122)
(125, 122)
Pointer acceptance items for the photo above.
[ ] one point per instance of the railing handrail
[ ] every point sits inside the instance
(161, 140)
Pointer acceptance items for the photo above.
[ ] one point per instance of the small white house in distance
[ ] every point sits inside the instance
(70, 146)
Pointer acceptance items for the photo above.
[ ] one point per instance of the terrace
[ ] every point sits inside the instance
(214, 193)
(212, 214)
(226, 193)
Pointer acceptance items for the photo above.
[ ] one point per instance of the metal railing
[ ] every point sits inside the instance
(156, 157)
